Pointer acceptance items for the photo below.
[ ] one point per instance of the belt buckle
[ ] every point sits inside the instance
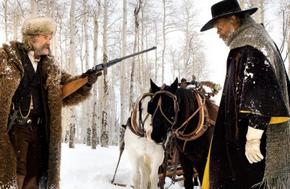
(29, 121)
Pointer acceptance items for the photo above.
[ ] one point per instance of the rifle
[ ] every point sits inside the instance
(73, 86)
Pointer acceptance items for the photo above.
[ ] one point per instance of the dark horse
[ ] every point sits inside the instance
(177, 112)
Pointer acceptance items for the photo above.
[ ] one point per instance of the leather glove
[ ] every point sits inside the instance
(252, 150)
(92, 76)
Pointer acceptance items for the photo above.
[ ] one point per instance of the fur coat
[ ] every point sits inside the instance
(11, 72)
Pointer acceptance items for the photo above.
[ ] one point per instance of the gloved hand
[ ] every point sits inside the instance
(252, 150)
(92, 76)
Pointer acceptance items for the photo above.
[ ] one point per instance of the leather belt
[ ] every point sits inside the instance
(29, 121)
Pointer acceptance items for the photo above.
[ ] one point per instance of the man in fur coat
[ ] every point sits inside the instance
(251, 142)
(30, 114)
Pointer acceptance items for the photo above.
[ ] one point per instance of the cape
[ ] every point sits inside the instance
(256, 84)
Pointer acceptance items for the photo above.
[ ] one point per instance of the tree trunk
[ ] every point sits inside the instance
(163, 40)
(288, 53)
(72, 132)
(72, 61)
(242, 4)
(104, 129)
(16, 23)
(89, 136)
(87, 108)
(6, 19)
(262, 11)
(123, 108)
(95, 93)
(136, 44)
(33, 7)
(156, 53)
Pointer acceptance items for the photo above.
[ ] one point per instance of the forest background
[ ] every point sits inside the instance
(91, 32)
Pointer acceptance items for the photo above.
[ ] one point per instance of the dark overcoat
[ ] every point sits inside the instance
(255, 88)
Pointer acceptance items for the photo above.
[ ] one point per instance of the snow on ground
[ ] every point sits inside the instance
(84, 168)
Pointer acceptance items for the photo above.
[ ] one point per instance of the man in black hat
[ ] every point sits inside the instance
(251, 142)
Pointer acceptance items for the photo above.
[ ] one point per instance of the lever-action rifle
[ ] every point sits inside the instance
(71, 87)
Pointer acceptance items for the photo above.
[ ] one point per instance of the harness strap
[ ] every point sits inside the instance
(138, 127)
(201, 126)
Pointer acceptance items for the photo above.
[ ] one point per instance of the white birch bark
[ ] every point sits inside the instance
(104, 129)
(95, 92)
(135, 47)
(123, 71)
(33, 4)
(6, 19)
(72, 61)
(163, 40)
(16, 23)
(87, 108)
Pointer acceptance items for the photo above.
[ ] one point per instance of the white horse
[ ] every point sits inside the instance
(145, 155)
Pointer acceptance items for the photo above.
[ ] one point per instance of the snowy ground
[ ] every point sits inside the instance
(84, 168)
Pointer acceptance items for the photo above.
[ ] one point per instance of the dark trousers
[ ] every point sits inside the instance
(27, 144)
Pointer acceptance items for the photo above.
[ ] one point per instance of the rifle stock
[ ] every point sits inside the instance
(73, 86)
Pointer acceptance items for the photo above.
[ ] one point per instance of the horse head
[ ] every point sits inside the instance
(163, 108)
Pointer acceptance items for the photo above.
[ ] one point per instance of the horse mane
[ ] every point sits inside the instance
(187, 103)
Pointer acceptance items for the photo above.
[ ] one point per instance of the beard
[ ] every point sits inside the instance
(42, 50)
(227, 38)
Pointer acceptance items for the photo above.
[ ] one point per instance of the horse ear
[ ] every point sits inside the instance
(174, 85)
(153, 87)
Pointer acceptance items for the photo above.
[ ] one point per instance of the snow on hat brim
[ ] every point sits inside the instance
(38, 25)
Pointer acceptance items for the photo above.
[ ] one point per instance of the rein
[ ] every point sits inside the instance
(176, 106)
(138, 127)
(201, 127)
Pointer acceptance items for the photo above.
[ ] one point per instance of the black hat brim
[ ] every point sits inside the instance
(210, 24)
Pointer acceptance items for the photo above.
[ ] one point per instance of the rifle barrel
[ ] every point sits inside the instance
(100, 67)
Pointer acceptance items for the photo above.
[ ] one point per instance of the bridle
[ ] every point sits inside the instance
(159, 107)
(137, 126)
(178, 132)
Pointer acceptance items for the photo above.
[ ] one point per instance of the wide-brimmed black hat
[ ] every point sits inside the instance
(225, 8)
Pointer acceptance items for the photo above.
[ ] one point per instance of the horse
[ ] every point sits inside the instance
(180, 114)
(144, 154)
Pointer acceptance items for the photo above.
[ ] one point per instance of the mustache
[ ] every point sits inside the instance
(45, 46)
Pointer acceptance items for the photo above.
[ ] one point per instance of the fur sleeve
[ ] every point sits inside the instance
(77, 96)
(56, 76)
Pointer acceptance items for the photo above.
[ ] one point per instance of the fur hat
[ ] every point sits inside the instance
(38, 25)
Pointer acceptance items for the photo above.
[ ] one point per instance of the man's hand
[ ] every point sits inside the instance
(92, 76)
(252, 150)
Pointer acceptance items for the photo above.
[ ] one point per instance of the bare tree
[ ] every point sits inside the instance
(168, 26)
(260, 4)
(123, 73)
(87, 108)
(72, 61)
(16, 20)
(164, 40)
(136, 45)
(104, 131)
(5, 5)
(156, 55)
(95, 55)
(33, 4)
